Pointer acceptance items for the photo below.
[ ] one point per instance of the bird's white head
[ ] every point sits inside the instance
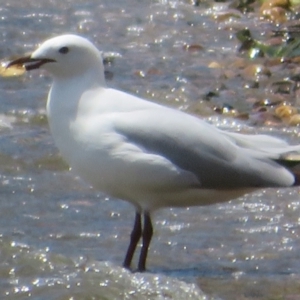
(63, 56)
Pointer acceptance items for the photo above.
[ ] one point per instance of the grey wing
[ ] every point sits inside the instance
(197, 147)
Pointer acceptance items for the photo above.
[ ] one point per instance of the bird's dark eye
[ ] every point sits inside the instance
(63, 50)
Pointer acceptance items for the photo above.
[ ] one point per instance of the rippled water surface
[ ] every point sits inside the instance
(59, 239)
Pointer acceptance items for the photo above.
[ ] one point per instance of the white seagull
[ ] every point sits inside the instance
(147, 154)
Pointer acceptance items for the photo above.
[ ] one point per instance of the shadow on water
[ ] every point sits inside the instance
(206, 271)
(226, 283)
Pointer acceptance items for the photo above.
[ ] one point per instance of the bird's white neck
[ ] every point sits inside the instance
(66, 92)
(64, 101)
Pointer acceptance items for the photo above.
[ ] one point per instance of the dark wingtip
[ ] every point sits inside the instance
(296, 173)
(293, 166)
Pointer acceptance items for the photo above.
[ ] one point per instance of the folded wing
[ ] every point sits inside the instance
(218, 159)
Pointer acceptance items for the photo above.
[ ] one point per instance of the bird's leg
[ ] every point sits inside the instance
(147, 235)
(134, 239)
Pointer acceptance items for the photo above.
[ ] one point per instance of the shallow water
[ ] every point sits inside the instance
(59, 239)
